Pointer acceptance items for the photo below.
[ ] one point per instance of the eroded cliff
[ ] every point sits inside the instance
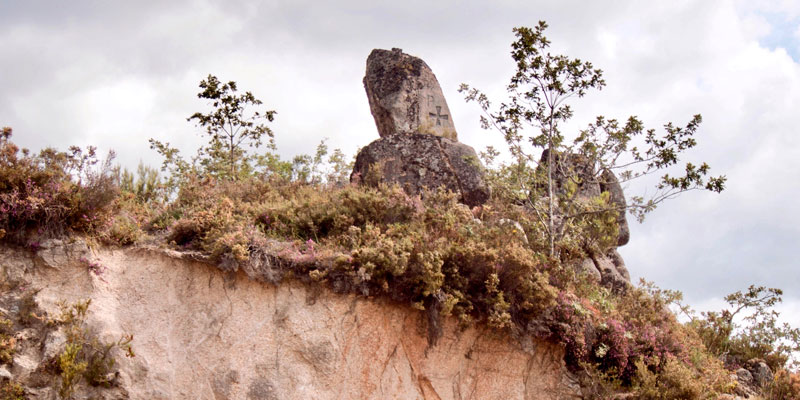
(202, 333)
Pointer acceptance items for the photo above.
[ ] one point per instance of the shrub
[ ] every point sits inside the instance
(785, 386)
(11, 390)
(85, 357)
(52, 192)
(675, 381)
(8, 343)
(759, 336)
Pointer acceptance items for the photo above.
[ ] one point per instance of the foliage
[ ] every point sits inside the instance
(674, 382)
(8, 343)
(760, 335)
(11, 390)
(53, 192)
(432, 253)
(231, 128)
(539, 91)
(786, 386)
(85, 357)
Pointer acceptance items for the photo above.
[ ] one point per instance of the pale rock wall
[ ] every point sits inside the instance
(200, 333)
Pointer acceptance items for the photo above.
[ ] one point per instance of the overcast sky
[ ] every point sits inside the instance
(113, 74)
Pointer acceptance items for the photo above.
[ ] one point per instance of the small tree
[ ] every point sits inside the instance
(759, 335)
(538, 95)
(228, 124)
(231, 128)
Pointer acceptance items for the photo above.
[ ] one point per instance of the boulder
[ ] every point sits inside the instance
(609, 183)
(762, 375)
(588, 268)
(745, 386)
(589, 182)
(612, 269)
(405, 97)
(417, 161)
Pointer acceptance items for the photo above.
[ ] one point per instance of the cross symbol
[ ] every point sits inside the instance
(439, 116)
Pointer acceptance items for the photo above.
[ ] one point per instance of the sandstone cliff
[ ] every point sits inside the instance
(202, 333)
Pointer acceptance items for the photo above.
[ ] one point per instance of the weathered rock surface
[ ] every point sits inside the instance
(590, 183)
(612, 270)
(203, 333)
(760, 371)
(405, 97)
(416, 161)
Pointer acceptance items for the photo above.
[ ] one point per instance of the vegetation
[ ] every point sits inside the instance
(11, 390)
(8, 343)
(85, 357)
(300, 219)
(539, 91)
(52, 192)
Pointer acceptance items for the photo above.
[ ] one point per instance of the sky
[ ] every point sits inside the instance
(114, 74)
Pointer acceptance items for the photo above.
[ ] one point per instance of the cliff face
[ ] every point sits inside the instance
(201, 333)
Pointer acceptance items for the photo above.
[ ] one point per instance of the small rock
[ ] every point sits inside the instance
(23, 366)
(25, 334)
(762, 375)
(610, 275)
(55, 253)
(619, 264)
(587, 267)
(54, 344)
(744, 383)
(744, 376)
(5, 374)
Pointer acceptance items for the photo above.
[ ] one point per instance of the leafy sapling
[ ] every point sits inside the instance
(530, 121)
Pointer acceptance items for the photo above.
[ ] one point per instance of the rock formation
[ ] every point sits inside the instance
(405, 97)
(416, 161)
(417, 148)
(204, 333)
(609, 268)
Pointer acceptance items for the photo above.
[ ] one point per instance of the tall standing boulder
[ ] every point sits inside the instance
(405, 97)
(587, 181)
(418, 146)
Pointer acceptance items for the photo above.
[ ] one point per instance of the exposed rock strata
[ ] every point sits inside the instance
(203, 333)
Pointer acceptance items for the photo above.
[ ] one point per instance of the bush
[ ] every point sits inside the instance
(759, 336)
(11, 390)
(786, 386)
(53, 192)
(85, 357)
(8, 343)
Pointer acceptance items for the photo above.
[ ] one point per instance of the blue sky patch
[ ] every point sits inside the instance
(783, 34)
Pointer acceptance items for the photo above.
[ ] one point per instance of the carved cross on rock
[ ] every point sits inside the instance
(418, 147)
(439, 116)
(405, 97)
